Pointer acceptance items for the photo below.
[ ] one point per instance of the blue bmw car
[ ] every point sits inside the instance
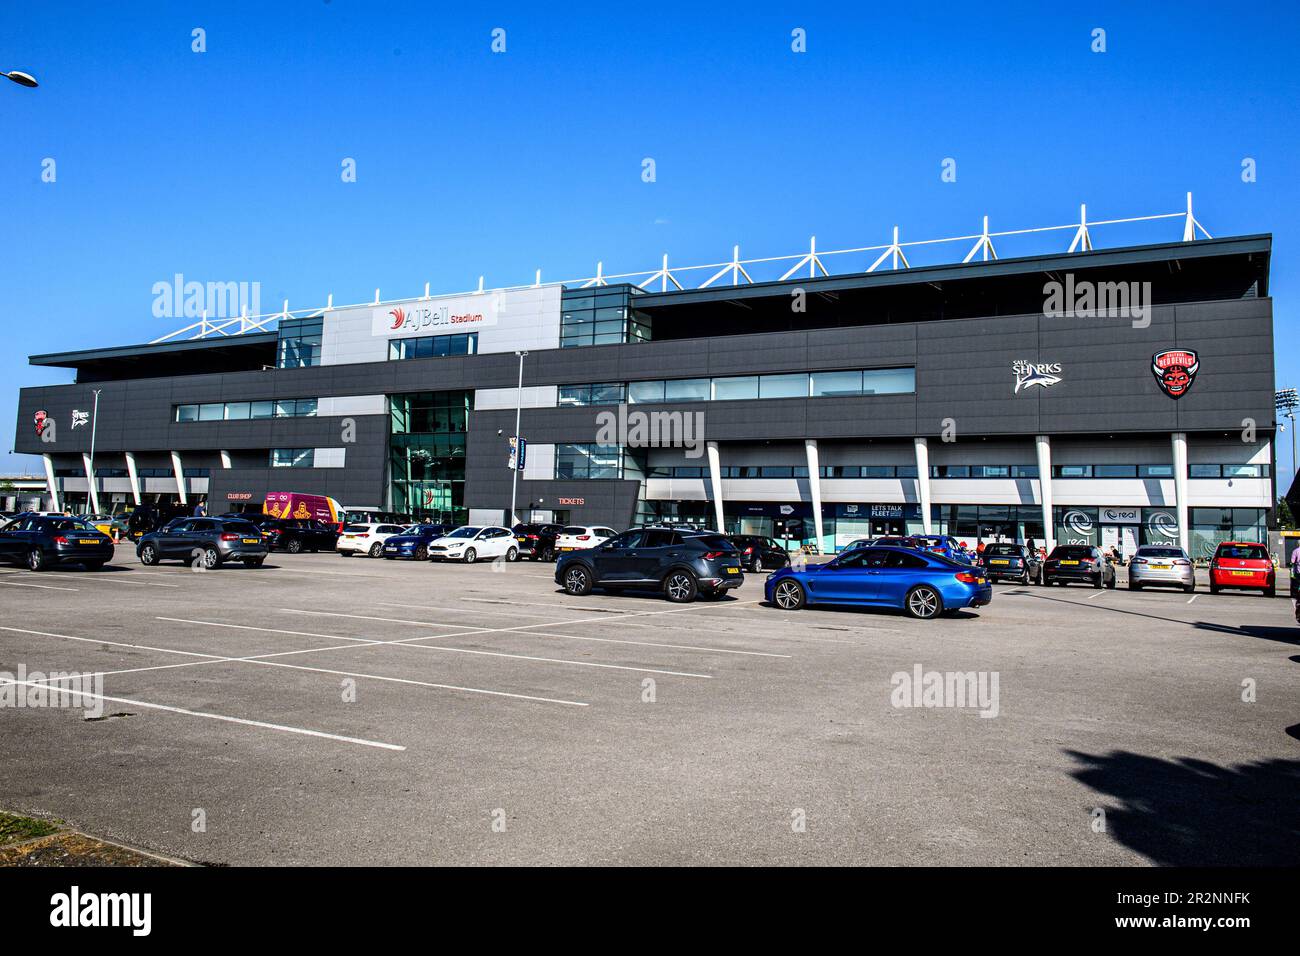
(922, 584)
(414, 541)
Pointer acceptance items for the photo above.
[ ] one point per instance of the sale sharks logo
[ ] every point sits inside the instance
(1029, 374)
(1175, 371)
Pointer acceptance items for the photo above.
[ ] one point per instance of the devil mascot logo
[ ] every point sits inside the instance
(1175, 370)
(41, 419)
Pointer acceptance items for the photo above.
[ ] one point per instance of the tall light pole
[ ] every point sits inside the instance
(21, 78)
(1286, 401)
(94, 424)
(519, 404)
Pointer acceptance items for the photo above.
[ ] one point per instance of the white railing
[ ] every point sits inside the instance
(736, 271)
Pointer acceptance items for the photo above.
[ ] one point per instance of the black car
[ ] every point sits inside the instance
(682, 564)
(1011, 561)
(206, 542)
(298, 534)
(413, 543)
(758, 553)
(40, 541)
(537, 541)
(1078, 562)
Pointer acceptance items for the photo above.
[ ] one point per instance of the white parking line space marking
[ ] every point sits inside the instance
(269, 630)
(410, 642)
(1192, 598)
(678, 647)
(1095, 596)
(387, 620)
(43, 587)
(282, 728)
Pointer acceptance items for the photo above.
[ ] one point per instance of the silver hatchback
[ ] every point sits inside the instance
(1161, 565)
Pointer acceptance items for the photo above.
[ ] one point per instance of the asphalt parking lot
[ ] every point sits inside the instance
(321, 711)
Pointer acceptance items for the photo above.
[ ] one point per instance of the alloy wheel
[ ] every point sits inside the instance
(679, 587)
(788, 595)
(575, 581)
(923, 602)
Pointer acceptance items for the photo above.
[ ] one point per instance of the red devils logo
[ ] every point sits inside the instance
(399, 316)
(1175, 370)
(40, 418)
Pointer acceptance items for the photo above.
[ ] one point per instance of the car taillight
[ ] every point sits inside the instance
(364, 534)
(60, 540)
(1181, 562)
(965, 577)
(710, 555)
(749, 550)
(230, 537)
(584, 537)
(1143, 561)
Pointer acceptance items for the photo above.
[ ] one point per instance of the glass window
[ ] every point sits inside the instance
(735, 389)
(307, 407)
(642, 392)
(1024, 471)
(783, 386)
(686, 390)
(877, 471)
(1155, 471)
(236, 411)
(888, 381)
(950, 471)
(300, 343)
(187, 413)
(261, 409)
(905, 471)
(588, 461)
(990, 471)
(1114, 471)
(836, 383)
(286, 408)
(1204, 471)
(212, 412)
(293, 457)
(1072, 471)
(1241, 471)
(607, 394)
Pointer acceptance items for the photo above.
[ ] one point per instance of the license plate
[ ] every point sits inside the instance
(252, 541)
(1069, 562)
(521, 539)
(391, 547)
(349, 536)
(733, 570)
(1245, 574)
(1161, 567)
(87, 541)
(999, 561)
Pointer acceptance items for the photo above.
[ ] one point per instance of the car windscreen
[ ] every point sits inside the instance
(1248, 552)
(1072, 552)
(1160, 552)
(464, 532)
(68, 524)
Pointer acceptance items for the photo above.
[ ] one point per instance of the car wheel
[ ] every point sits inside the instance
(208, 559)
(755, 565)
(577, 580)
(1189, 588)
(36, 560)
(148, 555)
(924, 602)
(1214, 588)
(548, 555)
(422, 553)
(470, 555)
(789, 595)
(294, 546)
(1024, 578)
(376, 550)
(512, 554)
(680, 587)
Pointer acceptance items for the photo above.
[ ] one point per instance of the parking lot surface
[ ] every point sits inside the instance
(321, 711)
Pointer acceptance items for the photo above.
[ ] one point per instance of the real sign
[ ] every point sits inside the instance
(463, 313)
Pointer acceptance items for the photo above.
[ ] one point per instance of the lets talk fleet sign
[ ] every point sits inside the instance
(436, 316)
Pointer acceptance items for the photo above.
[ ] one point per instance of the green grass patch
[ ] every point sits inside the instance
(15, 828)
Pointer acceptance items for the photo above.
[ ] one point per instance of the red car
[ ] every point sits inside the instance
(1242, 565)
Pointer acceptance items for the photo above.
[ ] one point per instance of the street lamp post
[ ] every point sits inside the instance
(1286, 400)
(519, 404)
(93, 485)
(21, 78)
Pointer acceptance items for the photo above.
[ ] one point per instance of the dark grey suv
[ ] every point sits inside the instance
(681, 563)
(206, 542)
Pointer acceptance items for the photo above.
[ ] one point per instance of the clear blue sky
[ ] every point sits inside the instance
(225, 165)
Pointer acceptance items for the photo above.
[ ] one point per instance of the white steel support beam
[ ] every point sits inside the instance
(51, 483)
(715, 482)
(1043, 444)
(91, 483)
(815, 487)
(180, 477)
(923, 481)
(133, 474)
(1179, 441)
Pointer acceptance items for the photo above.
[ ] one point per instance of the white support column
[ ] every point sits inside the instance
(180, 477)
(225, 460)
(1180, 489)
(52, 483)
(133, 473)
(1044, 447)
(923, 481)
(93, 498)
(715, 481)
(815, 486)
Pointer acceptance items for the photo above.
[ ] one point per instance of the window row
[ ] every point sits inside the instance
(432, 346)
(786, 471)
(840, 383)
(588, 461)
(293, 457)
(241, 411)
(1159, 471)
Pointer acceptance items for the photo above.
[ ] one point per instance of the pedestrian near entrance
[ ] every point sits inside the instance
(199, 510)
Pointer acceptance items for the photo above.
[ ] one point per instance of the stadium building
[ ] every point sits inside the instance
(1119, 395)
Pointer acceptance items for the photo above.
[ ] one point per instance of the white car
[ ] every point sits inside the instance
(366, 539)
(469, 543)
(579, 538)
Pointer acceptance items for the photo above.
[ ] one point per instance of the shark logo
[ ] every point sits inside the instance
(399, 316)
(1029, 374)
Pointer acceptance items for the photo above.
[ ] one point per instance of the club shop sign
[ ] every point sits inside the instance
(436, 317)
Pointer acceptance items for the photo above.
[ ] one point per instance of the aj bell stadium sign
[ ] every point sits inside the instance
(461, 314)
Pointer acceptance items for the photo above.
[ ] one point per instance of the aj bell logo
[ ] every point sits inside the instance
(423, 318)
(74, 908)
(1029, 374)
(1175, 370)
